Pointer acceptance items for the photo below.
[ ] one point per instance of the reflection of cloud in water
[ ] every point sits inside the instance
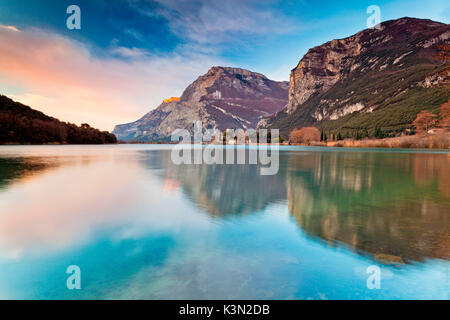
(207, 266)
(71, 204)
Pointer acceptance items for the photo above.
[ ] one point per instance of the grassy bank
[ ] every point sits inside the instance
(438, 140)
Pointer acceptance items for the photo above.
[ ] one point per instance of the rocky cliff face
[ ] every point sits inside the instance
(375, 78)
(320, 69)
(224, 98)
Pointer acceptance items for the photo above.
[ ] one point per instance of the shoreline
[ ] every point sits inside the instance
(435, 141)
(439, 141)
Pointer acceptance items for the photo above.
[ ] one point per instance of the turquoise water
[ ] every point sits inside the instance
(140, 227)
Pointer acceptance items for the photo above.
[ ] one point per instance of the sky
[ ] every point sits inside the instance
(129, 55)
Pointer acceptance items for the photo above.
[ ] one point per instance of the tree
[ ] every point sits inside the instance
(425, 121)
(305, 135)
(379, 134)
(365, 134)
(444, 56)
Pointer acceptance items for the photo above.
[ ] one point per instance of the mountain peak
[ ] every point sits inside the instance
(354, 82)
(323, 66)
(235, 71)
(230, 82)
(412, 21)
(223, 98)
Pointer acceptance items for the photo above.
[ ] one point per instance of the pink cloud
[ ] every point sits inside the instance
(62, 78)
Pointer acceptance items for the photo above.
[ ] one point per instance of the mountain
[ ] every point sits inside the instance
(376, 79)
(223, 98)
(19, 124)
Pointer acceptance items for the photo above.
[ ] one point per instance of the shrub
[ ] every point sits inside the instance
(425, 121)
(305, 135)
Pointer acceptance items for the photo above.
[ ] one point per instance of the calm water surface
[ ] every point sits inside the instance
(141, 227)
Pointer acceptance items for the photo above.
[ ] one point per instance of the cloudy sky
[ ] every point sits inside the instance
(131, 54)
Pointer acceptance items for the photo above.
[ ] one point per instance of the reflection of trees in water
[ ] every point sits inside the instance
(20, 168)
(14, 169)
(373, 202)
(429, 169)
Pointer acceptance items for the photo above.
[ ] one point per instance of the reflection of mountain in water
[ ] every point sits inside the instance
(224, 189)
(394, 206)
(232, 189)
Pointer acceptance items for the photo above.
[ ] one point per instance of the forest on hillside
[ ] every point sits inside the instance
(20, 124)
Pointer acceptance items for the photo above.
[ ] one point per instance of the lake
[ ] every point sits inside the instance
(140, 227)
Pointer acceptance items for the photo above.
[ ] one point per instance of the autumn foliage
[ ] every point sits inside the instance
(444, 55)
(445, 116)
(305, 135)
(425, 121)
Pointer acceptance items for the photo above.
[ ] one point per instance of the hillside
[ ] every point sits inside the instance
(19, 124)
(375, 79)
(223, 98)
